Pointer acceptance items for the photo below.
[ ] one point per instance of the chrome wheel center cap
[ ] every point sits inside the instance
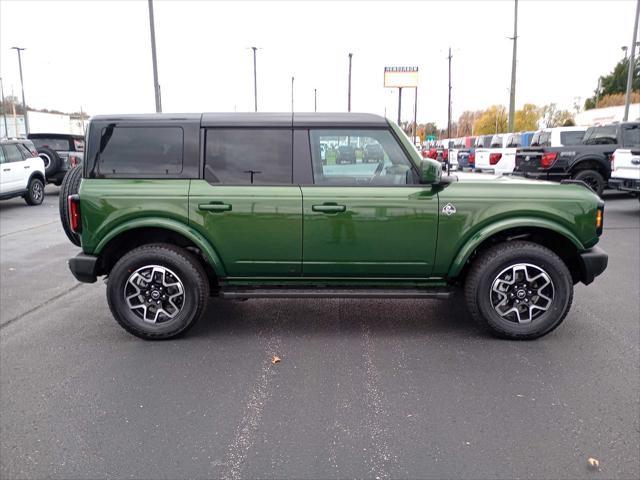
(521, 294)
(155, 294)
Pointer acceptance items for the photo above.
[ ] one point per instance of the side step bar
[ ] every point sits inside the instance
(229, 292)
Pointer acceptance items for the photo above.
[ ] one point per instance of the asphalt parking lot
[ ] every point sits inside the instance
(377, 389)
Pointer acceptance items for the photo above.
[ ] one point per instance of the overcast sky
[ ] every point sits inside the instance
(96, 55)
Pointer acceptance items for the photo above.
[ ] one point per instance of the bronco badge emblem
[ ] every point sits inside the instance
(449, 209)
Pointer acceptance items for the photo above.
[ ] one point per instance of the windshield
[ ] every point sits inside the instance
(601, 136)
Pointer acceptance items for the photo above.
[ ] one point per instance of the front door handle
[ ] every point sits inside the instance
(27, 166)
(215, 207)
(326, 208)
(6, 169)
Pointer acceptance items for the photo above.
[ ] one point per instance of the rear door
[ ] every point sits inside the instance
(367, 220)
(246, 205)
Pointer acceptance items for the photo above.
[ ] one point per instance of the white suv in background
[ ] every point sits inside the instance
(625, 170)
(21, 171)
(558, 137)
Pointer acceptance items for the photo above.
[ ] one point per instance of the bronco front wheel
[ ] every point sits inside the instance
(157, 291)
(519, 290)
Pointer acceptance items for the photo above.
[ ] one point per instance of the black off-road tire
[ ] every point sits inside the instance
(592, 178)
(51, 161)
(490, 263)
(188, 270)
(70, 186)
(35, 192)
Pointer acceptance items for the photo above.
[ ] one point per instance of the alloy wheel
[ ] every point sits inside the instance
(154, 294)
(522, 292)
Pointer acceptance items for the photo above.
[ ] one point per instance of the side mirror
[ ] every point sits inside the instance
(430, 172)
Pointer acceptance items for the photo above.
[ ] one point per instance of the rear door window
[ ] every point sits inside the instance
(249, 156)
(571, 138)
(140, 151)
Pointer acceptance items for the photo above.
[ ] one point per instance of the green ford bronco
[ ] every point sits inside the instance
(173, 209)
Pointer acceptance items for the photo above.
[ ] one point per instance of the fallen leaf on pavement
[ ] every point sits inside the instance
(275, 359)
(593, 463)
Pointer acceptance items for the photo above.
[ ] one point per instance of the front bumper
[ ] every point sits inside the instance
(592, 263)
(84, 267)
(625, 184)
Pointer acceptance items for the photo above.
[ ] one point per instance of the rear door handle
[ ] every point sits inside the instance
(27, 166)
(215, 207)
(6, 169)
(328, 208)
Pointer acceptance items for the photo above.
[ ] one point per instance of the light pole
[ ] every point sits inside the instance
(449, 107)
(156, 85)
(292, 79)
(627, 98)
(315, 99)
(4, 110)
(624, 48)
(349, 94)
(255, 80)
(512, 93)
(24, 104)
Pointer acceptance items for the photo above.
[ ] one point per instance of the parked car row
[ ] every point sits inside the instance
(27, 164)
(562, 153)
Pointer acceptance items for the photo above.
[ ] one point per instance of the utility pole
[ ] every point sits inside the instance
(4, 111)
(349, 94)
(156, 85)
(399, 103)
(255, 81)
(512, 92)
(627, 98)
(24, 103)
(449, 110)
(292, 79)
(415, 116)
(315, 99)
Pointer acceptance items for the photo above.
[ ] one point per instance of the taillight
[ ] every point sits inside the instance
(548, 159)
(73, 201)
(73, 160)
(613, 162)
(494, 158)
(472, 158)
(599, 219)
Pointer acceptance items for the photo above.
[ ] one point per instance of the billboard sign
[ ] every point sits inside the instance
(400, 77)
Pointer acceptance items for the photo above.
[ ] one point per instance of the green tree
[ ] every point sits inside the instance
(527, 118)
(492, 120)
(615, 82)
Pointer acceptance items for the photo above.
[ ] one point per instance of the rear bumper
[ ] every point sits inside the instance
(625, 184)
(84, 267)
(592, 263)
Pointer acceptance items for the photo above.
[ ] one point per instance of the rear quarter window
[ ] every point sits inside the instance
(140, 151)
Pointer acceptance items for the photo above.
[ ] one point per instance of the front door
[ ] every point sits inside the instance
(366, 217)
(12, 175)
(246, 205)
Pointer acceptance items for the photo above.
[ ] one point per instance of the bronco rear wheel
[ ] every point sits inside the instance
(519, 290)
(157, 291)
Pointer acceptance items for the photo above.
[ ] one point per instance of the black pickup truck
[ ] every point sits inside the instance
(589, 161)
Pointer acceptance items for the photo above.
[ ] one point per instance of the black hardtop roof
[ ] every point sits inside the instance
(55, 135)
(260, 119)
